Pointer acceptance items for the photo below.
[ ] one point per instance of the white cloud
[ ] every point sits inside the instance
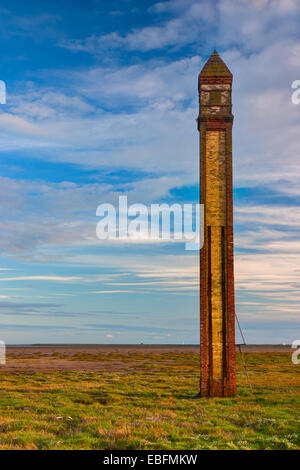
(41, 278)
(226, 22)
(179, 30)
(115, 292)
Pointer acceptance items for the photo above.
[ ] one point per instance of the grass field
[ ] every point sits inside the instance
(148, 403)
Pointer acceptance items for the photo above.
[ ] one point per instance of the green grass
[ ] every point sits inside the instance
(151, 406)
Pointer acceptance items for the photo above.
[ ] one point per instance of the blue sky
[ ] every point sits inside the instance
(101, 101)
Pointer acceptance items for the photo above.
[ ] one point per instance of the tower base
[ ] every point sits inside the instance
(217, 389)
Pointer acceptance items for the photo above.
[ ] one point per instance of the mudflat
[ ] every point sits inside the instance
(107, 357)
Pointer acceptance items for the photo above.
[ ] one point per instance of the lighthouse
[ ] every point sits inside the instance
(217, 311)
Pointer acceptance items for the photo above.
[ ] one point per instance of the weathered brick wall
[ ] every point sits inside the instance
(215, 208)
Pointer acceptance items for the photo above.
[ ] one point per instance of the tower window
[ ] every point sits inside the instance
(215, 97)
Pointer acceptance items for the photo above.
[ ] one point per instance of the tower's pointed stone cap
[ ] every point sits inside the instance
(215, 67)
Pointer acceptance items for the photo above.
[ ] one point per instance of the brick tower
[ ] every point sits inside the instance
(217, 315)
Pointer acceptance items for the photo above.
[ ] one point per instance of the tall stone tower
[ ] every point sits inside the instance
(217, 314)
